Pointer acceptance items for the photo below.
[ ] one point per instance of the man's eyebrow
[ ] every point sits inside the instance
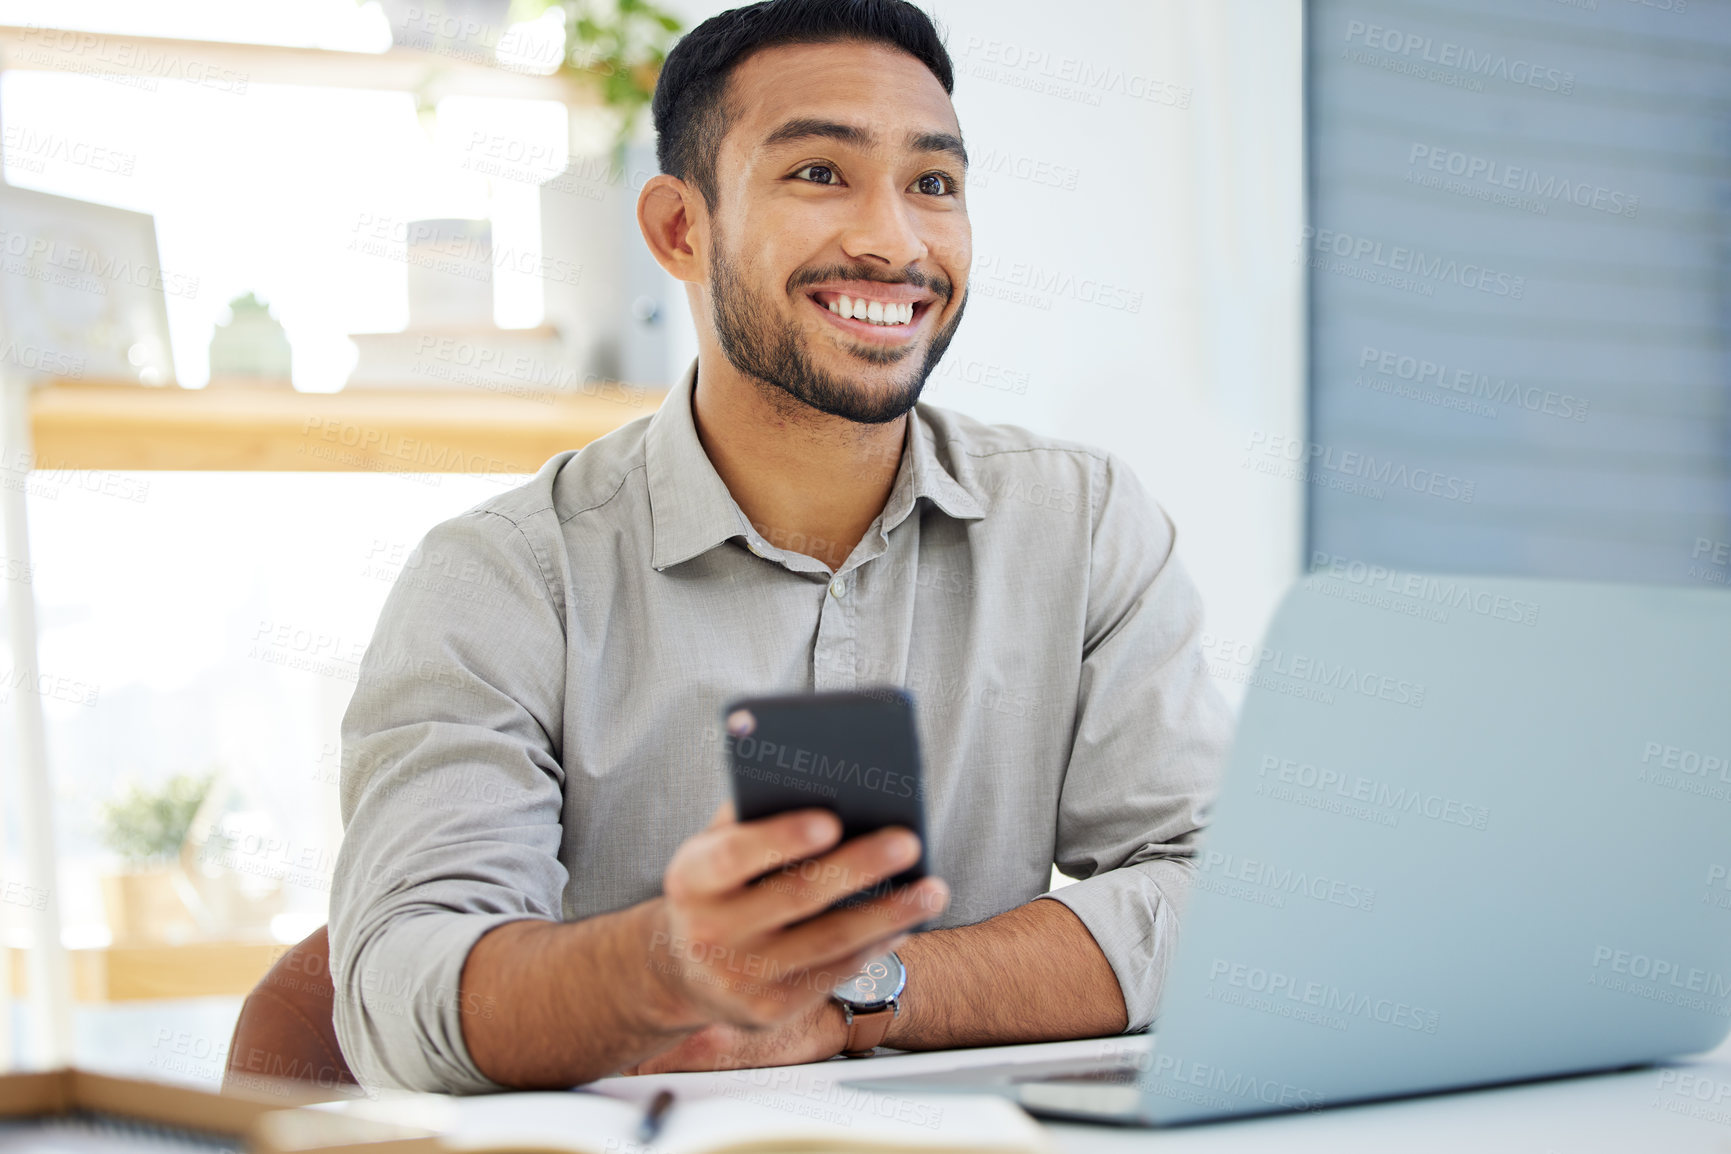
(939, 142)
(811, 128)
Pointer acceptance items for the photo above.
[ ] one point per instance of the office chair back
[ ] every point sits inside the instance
(285, 1032)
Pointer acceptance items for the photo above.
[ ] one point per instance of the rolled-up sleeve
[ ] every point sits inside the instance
(451, 797)
(1151, 734)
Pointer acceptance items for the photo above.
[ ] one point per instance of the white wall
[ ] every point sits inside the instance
(1152, 147)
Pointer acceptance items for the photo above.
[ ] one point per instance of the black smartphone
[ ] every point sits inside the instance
(852, 752)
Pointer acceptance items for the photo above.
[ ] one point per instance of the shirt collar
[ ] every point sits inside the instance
(691, 510)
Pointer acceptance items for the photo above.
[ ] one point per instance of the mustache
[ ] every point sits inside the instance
(937, 283)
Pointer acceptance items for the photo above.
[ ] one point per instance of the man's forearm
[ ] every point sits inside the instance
(1031, 974)
(572, 1001)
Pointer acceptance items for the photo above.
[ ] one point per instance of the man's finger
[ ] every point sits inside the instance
(723, 816)
(829, 941)
(801, 889)
(718, 861)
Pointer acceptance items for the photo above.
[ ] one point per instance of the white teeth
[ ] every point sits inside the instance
(873, 312)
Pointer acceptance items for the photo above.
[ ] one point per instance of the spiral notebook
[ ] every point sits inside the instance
(77, 1112)
(97, 1132)
(846, 1121)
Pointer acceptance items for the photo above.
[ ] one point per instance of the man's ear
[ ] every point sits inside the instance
(672, 218)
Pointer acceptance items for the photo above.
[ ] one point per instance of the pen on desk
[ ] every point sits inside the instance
(654, 1116)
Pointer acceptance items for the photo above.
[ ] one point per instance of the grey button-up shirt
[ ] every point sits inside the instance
(536, 726)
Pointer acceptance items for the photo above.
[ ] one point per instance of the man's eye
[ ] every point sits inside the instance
(821, 174)
(936, 184)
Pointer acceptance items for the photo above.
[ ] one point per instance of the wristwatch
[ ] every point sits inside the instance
(870, 1001)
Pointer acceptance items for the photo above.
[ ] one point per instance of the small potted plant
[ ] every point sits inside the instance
(146, 826)
(623, 43)
(620, 43)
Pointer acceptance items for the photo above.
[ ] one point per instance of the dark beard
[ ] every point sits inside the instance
(764, 347)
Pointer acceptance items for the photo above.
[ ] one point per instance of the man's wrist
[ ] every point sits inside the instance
(833, 1023)
(899, 1024)
(665, 1008)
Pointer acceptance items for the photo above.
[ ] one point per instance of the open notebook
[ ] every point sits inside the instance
(820, 1116)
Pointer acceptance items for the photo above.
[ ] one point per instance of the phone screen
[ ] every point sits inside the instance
(854, 753)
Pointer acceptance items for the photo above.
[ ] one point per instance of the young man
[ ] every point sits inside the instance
(540, 882)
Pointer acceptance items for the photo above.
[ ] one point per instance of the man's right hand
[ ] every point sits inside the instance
(732, 945)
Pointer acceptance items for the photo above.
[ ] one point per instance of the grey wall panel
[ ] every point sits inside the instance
(1519, 259)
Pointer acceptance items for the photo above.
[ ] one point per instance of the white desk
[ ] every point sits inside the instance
(1635, 1112)
(1603, 1114)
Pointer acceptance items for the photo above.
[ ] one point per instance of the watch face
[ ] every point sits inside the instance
(877, 982)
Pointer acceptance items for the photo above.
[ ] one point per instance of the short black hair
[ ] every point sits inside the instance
(691, 113)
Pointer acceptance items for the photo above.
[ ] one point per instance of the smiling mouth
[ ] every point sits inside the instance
(879, 314)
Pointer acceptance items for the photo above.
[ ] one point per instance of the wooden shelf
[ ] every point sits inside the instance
(124, 427)
(131, 973)
(233, 67)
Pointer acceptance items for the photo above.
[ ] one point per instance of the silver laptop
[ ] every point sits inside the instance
(1472, 831)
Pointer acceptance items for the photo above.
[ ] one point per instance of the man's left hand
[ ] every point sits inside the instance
(812, 1037)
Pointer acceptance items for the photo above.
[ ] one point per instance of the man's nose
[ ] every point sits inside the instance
(884, 230)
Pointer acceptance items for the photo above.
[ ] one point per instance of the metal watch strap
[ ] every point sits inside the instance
(866, 1030)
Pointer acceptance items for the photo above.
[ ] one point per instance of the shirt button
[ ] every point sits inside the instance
(838, 588)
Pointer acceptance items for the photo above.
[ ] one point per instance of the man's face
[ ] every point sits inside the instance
(840, 185)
